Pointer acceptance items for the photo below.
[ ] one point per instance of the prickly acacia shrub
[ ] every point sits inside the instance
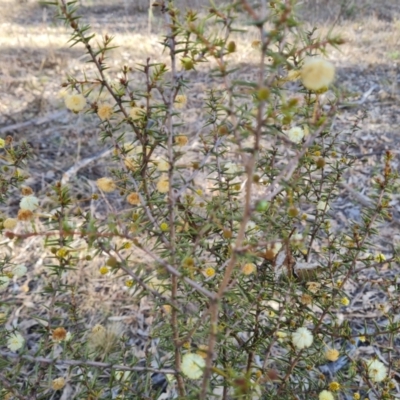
(241, 260)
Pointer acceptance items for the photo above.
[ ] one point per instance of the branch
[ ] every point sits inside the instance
(34, 121)
(96, 364)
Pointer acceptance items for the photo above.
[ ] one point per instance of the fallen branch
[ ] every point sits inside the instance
(362, 199)
(34, 121)
(363, 99)
(97, 364)
(81, 164)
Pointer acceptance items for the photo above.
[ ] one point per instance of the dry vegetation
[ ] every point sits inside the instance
(35, 59)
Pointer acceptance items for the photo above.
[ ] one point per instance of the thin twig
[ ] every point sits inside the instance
(96, 364)
(81, 164)
(362, 199)
(35, 121)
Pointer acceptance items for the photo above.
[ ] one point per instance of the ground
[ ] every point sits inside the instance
(35, 60)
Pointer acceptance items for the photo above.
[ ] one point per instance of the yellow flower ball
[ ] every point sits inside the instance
(296, 134)
(167, 308)
(313, 287)
(104, 270)
(181, 140)
(164, 227)
(133, 198)
(104, 111)
(209, 272)
(379, 257)
(131, 164)
(62, 253)
(248, 268)
(136, 113)
(326, 395)
(15, 341)
(26, 191)
(180, 101)
(10, 223)
(377, 371)
(332, 354)
(59, 334)
(302, 338)
(193, 365)
(317, 73)
(24, 215)
(345, 301)
(58, 383)
(75, 102)
(334, 386)
(106, 184)
(281, 334)
(163, 165)
(30, 203)
(163, 184)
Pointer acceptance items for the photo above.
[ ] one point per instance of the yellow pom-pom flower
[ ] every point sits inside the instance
(302, 338)
(164, 227)
(332, 354)
(317, 73)
(15, 341)
(58, 383)
(377, 371)
(129, 283)
(10, 223)
(326, 395)
(334, 386)
(25, 215)
(181, 140)
(248, 268)
(345, 301)
(209, 272)
(180, 101)
(26, 191)
(75, 102)
(313, 287)
(104, 270)
(106, 184)
(136, 113)
(379, 257)
(133, 198)
(163, 165)
(30, 203)
(192, 365)
(104, 111)
(167, 308)
(163, 184)
(59, 334)
(296, 134)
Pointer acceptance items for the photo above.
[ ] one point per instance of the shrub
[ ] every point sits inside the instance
(229, 232)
